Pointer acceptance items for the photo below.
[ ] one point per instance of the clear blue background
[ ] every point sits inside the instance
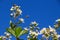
(45, 12)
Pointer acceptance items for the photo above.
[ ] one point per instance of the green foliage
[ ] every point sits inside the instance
(10, 30)
(17, 31)
(23, 32)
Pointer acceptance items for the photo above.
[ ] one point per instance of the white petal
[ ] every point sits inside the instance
(11, 14)
(42, 30)
(51, 29)
(26, 28)
(57, 20)
(58, 36)
(21, 19)
(12, 8)
(28, 36)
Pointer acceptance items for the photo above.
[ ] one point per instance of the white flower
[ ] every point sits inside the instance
(16, 11)
(30, 31)
(42, 30)
(55, 32)
(19, 11)
(26, 28)
(36, 34)
(58, 36)
(33, 33)
(7, 34)
(57, 20)
(12, 8)
(14, 15)
(52, 29)
(21, 20)
(33, 22)
(11, 14)
(28, 36)
(56, 25)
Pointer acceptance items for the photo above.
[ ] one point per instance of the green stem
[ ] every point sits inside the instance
(17, 38)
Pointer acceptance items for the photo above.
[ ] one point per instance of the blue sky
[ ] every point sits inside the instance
(45, 12)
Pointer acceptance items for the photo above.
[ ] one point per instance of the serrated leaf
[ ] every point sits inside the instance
(23, 32)
(17, 31)
(10, 30)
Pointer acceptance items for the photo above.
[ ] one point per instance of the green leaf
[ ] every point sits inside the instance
(23, 32)
(10, 30)
(17, 31)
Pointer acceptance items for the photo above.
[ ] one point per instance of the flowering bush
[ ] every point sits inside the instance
(33, 31)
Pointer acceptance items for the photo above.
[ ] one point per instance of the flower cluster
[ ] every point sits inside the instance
(49, 32)
(6, 37)
(33, 31)
(16, 11)
(45, 32)
(14, 28)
